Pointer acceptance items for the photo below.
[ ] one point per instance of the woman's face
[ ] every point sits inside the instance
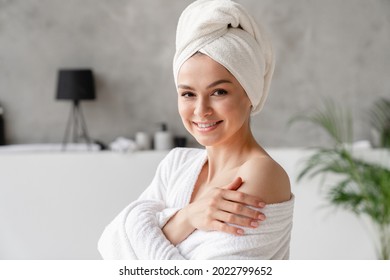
(212, 104)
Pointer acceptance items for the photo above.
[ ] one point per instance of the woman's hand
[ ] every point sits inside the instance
(221, 209)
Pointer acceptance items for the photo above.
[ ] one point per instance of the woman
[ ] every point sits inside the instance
(230, 200)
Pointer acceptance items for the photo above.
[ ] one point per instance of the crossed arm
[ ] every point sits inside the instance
(223, 209)
(219, 209)
(141, 231)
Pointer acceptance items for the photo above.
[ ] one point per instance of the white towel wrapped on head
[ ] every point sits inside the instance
(224, 31)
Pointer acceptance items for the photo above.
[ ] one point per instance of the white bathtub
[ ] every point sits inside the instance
(55, 205)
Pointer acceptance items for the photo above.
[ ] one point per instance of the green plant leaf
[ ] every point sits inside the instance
(363, 187)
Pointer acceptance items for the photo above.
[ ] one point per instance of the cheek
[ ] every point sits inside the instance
(238, 108)
(244, 103)
(184, 109)
(230, 105)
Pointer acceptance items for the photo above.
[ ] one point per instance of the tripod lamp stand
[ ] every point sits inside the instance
(75, 85)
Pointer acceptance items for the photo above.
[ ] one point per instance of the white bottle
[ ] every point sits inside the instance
(163, 139)
(143, 140)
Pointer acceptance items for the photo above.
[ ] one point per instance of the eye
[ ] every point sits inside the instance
(220, 92)
(187, 94)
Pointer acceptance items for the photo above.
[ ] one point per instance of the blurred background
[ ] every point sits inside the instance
(337, 49)
(55, 205)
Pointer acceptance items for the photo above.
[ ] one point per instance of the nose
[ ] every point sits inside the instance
(202, 108)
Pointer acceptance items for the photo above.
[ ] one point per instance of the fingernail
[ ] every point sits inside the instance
(261, 217)
(240, 232)
(254, 224)
(261, 204)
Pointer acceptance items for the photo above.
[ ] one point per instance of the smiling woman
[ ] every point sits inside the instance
(230, 200)
(212, 104)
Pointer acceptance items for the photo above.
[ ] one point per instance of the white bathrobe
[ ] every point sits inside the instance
(136, 232)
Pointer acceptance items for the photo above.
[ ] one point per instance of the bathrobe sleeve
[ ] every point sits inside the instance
(157, 190)
(136, 232)
(271, 240)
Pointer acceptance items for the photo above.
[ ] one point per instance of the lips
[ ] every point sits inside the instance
(206, 126)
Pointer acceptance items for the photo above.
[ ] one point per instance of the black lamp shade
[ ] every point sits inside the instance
(75, 84)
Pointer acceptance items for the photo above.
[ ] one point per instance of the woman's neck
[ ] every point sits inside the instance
(228, 156)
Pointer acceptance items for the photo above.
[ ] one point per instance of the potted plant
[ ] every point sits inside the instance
(380, 120)
(363, 187)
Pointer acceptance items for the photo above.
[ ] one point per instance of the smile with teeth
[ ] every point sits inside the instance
(210, 125)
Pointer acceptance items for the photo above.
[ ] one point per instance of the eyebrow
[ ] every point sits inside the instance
(213, 84)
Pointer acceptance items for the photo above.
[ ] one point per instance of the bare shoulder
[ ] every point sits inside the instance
(265, 178)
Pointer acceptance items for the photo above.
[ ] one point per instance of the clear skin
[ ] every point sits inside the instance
(215, 110)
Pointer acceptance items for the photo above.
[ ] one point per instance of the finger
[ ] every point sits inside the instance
(241, 209)
(234, 219)
(235, 184)
(223, 227)
(243, 198)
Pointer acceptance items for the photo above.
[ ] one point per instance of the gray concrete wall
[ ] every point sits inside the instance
(337, 49)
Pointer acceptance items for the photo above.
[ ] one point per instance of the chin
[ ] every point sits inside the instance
(207, 141)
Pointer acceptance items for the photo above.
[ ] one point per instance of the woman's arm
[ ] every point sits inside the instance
(271, 240)
(145, 235)
(115, 243)
(265, 178)
(220, 209)
(223, 208)
(135, 234)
